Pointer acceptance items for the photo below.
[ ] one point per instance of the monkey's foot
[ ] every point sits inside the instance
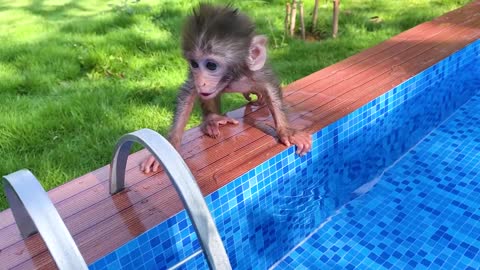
(301, 139)
(212, 122)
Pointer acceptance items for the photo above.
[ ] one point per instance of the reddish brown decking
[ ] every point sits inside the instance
(101, 223)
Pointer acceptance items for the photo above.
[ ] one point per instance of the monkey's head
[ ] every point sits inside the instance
(220, 45)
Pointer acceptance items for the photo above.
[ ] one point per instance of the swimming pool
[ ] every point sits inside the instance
(420, 144)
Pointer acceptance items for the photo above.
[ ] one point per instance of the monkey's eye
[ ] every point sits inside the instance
(194, 64)
(211, 65)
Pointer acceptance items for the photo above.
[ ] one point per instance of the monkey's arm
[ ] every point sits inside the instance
(212, 117)
(286, 134)
(185, 101)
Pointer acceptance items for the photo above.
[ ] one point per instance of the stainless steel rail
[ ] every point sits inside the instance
(34, 212)
(184, 183)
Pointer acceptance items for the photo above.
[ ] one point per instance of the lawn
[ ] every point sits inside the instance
(76, 75)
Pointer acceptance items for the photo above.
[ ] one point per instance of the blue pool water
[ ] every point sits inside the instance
(423, 212)
(419, 144)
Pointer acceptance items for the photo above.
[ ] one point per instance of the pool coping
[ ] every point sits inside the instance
(100, 223)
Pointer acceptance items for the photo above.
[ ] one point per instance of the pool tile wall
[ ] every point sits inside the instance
(422, 214)
(264, 213)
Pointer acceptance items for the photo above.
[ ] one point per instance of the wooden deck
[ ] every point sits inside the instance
(101, 223)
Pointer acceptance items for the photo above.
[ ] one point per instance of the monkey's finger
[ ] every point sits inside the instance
(226, 120)
(285, 140)
(143, 165)
(147, 164)
(300, 147)
(247, 96)
(300, 142)
(303, 140)
(213, 131)
(208, 130)
(155, 166)
(307, 142)
(307, 147)
(232, 121)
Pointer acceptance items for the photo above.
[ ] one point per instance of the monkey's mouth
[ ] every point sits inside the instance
(208, 95)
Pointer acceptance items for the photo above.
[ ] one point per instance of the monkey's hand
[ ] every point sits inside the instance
(301, 139)
(260, 98)
(150, 164)
(210, 125)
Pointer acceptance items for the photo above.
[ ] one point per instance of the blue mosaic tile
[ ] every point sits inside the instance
(265, 213)
(423, 213)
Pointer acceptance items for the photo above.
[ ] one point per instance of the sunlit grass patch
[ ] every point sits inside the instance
(76, 75)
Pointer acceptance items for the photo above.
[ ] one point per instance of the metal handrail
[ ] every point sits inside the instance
(34, 212)
(184, 183)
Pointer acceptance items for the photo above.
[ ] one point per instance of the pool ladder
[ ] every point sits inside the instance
(34, 211)
(184, 183)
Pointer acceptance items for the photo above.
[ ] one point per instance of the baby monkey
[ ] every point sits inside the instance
(225, 55)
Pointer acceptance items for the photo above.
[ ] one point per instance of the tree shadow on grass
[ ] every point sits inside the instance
(37, 7)
(99, 25)
(169, 17)
(81, 50)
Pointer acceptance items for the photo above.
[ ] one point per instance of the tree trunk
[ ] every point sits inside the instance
(293, 17)
(315, 16)
(302, 20)
(336, 9)
(287, 18)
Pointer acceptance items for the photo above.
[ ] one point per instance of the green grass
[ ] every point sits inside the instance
(76, 75)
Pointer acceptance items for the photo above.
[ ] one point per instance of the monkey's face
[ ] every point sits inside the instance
(208, 75)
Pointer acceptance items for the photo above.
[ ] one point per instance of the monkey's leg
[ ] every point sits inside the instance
(286, 135)
(212, 119)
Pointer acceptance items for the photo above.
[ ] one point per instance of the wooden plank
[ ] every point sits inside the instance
(72, 188)
(107, 235)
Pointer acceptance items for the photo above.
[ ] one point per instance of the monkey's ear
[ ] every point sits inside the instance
(258, 53)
